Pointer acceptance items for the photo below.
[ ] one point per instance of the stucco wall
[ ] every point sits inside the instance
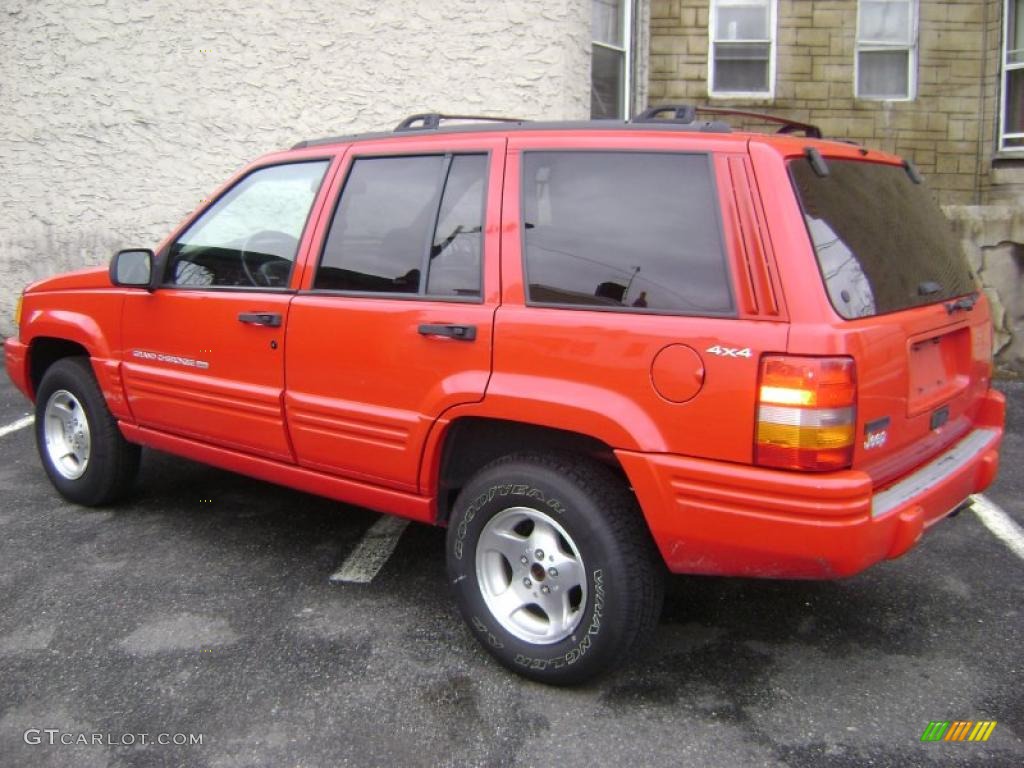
(118, 116)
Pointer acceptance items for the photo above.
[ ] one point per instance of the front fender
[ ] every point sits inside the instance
(68, 326)
(94, 325)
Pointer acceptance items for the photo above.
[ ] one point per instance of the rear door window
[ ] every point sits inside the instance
(408, 225)
(882, 243)
(630, 231)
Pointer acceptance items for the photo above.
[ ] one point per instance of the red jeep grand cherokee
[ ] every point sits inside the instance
(591, 350)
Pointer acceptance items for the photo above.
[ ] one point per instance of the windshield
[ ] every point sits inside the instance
(882, 244)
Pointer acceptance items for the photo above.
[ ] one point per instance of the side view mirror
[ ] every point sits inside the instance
(132, 268)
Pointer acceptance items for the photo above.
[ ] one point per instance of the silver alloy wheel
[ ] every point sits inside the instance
(531, 575)
(66, 430)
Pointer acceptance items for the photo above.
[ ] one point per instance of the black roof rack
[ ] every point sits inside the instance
(683, 117)
(687, 113)
(506, 124)
(429, 121)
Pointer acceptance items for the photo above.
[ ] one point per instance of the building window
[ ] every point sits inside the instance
(886, 66)
(611, 73)
(1011, 135)
(742, 60)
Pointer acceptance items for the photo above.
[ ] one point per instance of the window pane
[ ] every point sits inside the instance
(606, 83)
(1014, 122)
(878, 237)
(883, 74)
(455, 252)
(742, 22)
(383, 225)
(741, 67)
(1015, 33)
(634, 230)
(885, 22)
(606, 22)
(250, 235)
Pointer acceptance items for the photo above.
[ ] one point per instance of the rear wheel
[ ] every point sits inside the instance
(552, 566)
(82, 450)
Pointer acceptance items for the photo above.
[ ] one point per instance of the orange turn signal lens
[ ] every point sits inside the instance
(806, 415)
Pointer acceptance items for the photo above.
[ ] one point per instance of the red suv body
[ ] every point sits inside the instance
(735, 353)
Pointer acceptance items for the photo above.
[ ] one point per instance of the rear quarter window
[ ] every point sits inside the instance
(630, 231)
(882, 244)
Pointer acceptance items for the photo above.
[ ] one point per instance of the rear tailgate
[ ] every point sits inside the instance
(904, 304)
(922, 377)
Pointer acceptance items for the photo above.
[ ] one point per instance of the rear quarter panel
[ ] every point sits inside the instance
(590, 371)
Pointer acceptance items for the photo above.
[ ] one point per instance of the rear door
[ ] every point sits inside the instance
(393, 325)
(903, 301)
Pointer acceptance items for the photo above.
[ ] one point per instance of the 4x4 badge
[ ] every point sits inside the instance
(729, 351)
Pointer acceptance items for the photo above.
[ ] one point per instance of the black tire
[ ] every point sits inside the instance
(112, 462)
(603, 525)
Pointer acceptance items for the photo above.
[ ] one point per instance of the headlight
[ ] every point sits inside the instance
(17, 311)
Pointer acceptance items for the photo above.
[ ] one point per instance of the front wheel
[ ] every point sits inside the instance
(87, 459)
(553, 567)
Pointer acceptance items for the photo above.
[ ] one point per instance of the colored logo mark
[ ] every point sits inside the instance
(958, 730)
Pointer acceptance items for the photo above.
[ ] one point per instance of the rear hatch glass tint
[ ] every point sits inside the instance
(882, 243)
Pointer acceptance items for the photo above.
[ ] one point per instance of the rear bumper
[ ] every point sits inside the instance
(15, 360)
(715, 518)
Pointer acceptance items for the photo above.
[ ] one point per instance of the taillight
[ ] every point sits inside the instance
(806, 414)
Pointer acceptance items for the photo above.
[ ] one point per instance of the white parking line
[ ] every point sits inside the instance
(1000, 523)
(14, 426)
(373, 550)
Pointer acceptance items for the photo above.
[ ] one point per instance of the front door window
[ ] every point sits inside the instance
(250, 236)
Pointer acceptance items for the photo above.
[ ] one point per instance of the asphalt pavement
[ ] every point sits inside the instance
(201, 611)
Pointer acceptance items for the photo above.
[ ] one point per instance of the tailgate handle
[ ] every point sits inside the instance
(271, 319)
(460, 332)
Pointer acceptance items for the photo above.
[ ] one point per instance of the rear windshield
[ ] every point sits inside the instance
(883, 245)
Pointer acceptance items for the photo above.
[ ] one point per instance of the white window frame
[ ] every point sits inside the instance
(773, 14)
(869, 46)
(1004, 81)
(626, 49)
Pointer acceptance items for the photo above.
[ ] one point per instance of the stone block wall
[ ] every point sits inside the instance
(948, 130)
(117, 117)
(993, 239)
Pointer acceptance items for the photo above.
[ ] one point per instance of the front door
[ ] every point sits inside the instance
(203, 355)
(393, 326)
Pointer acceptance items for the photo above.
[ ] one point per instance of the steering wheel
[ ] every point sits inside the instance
(273, 268)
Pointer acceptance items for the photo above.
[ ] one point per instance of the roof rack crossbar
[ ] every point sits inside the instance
(432, 120)
(687, 113)
(683, 113)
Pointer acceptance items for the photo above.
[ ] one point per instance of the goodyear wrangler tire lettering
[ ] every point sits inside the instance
(552, 566)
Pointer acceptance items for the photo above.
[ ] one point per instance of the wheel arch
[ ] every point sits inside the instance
(469, 443)
(44, 351)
